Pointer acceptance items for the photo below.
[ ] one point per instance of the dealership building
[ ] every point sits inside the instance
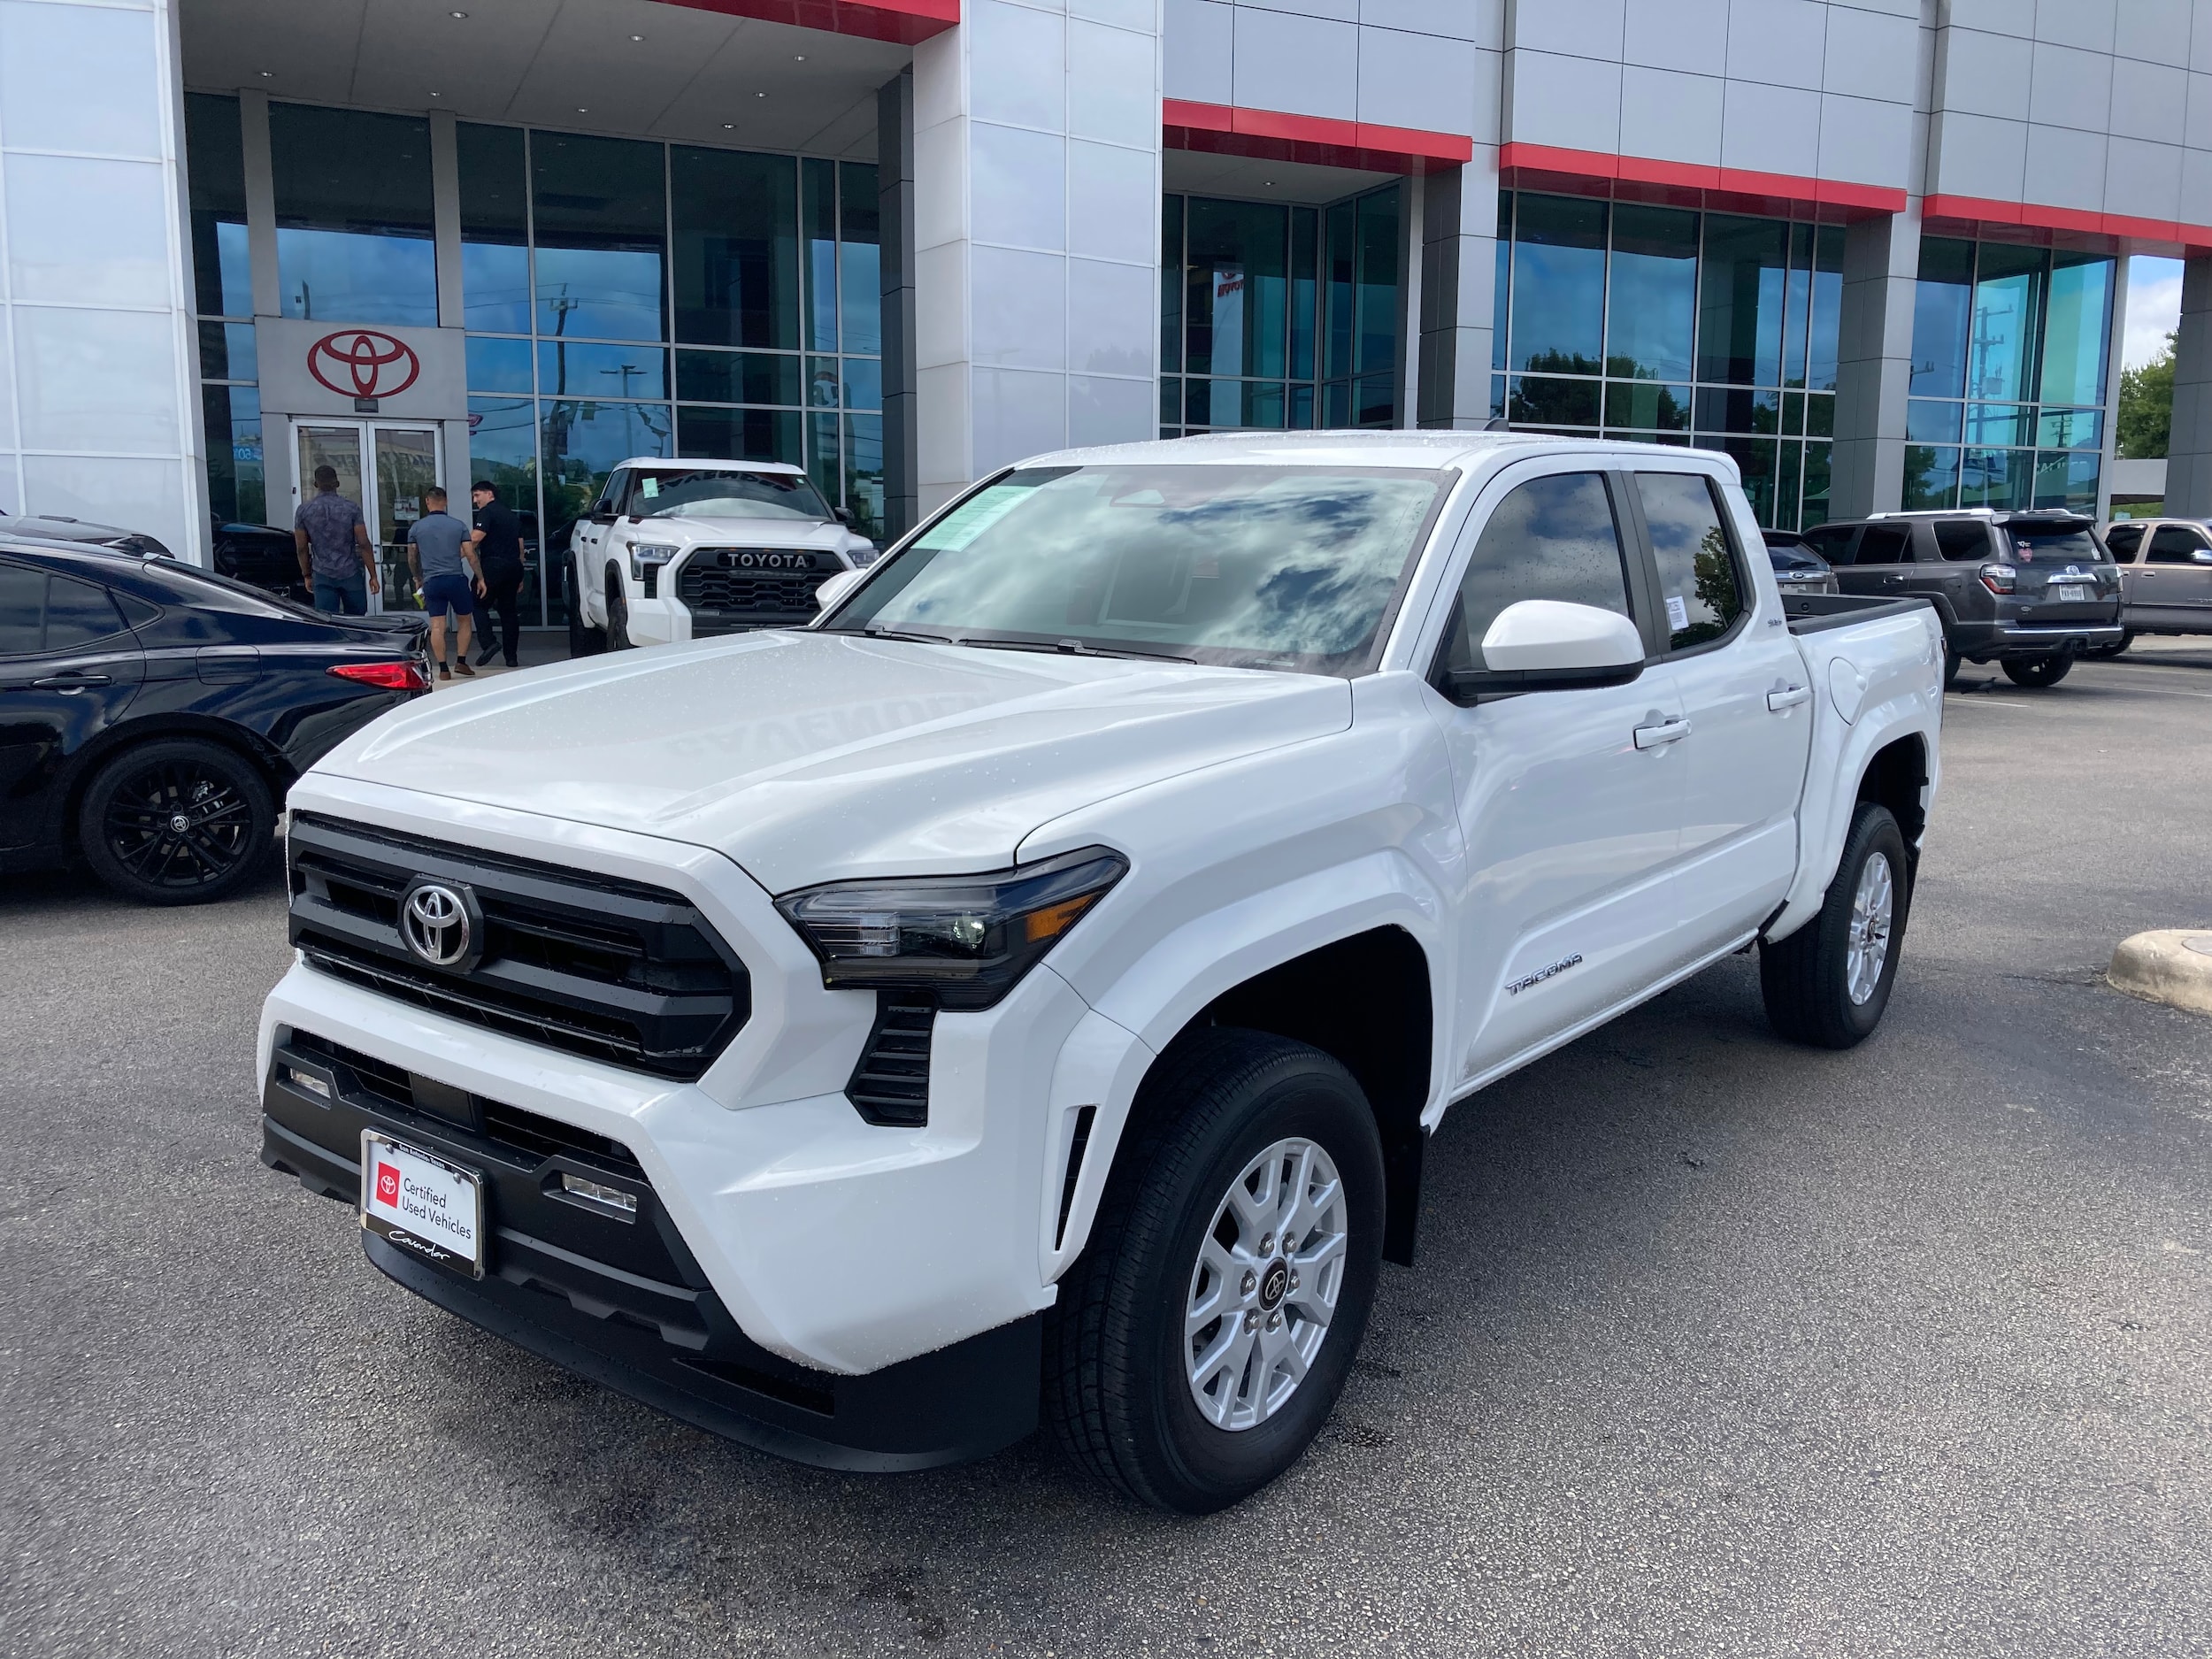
(1874, 249)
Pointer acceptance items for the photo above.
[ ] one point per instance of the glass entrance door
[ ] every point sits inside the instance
(384, 470)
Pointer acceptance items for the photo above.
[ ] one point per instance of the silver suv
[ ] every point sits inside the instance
(2165, 568)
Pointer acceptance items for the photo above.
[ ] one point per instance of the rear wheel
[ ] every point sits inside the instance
(178, 821)
(1952, 663)
(1828, 983)
(2038, 671)
(1202, 1339)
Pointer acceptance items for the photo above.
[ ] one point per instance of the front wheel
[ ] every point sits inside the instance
(1828, 982)
(178, 821)
(583, 639)
(2038, 671)
(1202, 1339)
(617, 617)
(2106, 653)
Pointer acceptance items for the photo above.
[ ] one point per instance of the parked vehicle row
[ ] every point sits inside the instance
(2165, 568)
(1033, 984)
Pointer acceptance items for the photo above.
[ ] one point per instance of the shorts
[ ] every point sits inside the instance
(441, 594)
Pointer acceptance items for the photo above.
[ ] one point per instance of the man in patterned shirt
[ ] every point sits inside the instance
(334, 548)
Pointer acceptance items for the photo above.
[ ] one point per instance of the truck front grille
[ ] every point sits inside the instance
(594, 965)
(752, 586)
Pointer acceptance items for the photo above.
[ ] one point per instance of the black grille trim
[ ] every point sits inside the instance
(890, 1085)
(594, 965)
(723, 592)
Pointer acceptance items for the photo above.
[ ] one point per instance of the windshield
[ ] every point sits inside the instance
(724, 493)
(1265, 566)
(2056, 547)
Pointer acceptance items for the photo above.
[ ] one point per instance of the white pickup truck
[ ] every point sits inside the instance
(1036, 982)
(683, 550)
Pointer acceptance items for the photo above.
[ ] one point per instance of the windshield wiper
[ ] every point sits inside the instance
(1076, 647)
(875, 633)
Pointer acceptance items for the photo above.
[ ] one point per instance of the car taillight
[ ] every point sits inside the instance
(1998, 578)
(391, 676)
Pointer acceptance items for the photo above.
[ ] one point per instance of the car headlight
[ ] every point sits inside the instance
(644, 553)
(967, 939)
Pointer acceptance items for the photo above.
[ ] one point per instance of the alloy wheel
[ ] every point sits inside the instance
(1872, 907)
(179, 824)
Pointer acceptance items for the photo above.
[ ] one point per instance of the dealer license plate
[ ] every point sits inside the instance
(422, 1204)
(2069, 593)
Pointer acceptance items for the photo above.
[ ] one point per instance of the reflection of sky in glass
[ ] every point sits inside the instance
(2075, 332)
(582, 369)
(582, 443)
(341, 276)
(236, 275)
(1254, 559)
(2003, 319)
(498, 366)
(496, 287)
(602, 292)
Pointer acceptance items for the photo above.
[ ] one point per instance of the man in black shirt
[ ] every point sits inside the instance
(498, 542)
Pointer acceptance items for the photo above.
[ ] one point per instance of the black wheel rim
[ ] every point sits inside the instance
(178, 825)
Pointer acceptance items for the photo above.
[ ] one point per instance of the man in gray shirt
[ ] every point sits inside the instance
(335, 558)
(441, 549)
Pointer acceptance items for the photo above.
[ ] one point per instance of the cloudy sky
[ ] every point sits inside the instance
(2154, 307)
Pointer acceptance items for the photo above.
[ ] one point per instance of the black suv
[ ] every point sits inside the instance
(2029, 591)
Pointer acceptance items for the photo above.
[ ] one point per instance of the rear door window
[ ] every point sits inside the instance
(1700, 583)
(1962, 540)
(22, 611)
(42, 613)
(2124, 538)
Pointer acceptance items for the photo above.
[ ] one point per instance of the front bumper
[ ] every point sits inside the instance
(622, 1300)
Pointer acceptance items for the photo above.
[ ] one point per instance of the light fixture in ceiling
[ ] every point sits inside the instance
(268, 74)
(636, 37)
(760, 94)
(798, 58)
(580, 110)
(729, 126)
(456, 14)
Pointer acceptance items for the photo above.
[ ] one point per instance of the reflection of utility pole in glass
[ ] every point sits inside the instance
(307, 307)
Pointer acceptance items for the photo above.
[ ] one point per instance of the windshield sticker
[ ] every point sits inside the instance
(1677, 612)
(649, 487)
(975, 517)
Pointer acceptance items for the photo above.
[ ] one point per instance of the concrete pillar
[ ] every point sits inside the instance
(2189, 452)
(1881, 267)
(1036, 235)
(1459, 266)
(894, 221)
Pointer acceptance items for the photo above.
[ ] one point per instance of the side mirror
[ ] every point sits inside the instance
(1549, 645)
(843, 515)
(2202, 556)
(836, 588)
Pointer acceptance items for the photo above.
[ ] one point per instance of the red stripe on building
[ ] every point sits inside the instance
(1536, 166)
(1271, 135)
(1972, 214)
(903, 22)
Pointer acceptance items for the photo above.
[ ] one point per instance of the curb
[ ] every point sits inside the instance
(2169, 964)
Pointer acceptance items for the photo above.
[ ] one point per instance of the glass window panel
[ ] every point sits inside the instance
(1932, 476)
(2008, 309)
(859, 257)
(1264, 405)
(2071, 428)
(581, 443)
(1502, 294)
(1652, 305)
(1337, 395)
(1170, 284)
(495, 228)
(1790, 459)
(1543, 400)
(738, 376)
(227, 352)
(503, 452)
(817, 252)
(1815, 508)
(600, 206)
(1343, 259)
(354, 220)
(1170, 403)
(498, 366)
(1375, 400)
(2077, 328)
(1754, 458)
(1927, 421)
(1741, 290)
(236, 489)
(736, 246)
(1792, 413)
(1995, 478)
(1558, 284)
(579, 368)
(823, 384)
(1238, 294)
(1497, 397)
(1647, 407)
(222, 285)
(1737, 408)
(2000, 423)
(863, 383)
(1301, 404)
(1797, 305)
(1699, 580)
(864, 474)
(1827, 318)
(741, 435)
(1942, 303)
(824, 456)
(1377, 283)
(2067, 480)
(1820, 415)
(1304, 292)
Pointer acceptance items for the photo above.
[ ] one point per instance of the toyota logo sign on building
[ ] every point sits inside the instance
(362, 363)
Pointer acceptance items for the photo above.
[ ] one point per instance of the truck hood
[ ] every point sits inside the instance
(768, 533)
(811, 757)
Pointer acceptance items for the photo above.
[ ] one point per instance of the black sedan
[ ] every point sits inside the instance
(152, 715)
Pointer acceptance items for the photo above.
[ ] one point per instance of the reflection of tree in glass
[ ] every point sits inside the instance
(1549, 403)
(1717, 591)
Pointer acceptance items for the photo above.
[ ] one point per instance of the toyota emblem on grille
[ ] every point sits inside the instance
(440, 923)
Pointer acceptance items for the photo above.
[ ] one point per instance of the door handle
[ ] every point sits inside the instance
(67, 683)
(1665, 731)
(1790, 698)
(1893, 581)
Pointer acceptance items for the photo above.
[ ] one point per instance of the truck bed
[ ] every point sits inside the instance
(1811, 613)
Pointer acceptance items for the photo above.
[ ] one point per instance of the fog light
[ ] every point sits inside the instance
(593, 1193)
(312, 1085)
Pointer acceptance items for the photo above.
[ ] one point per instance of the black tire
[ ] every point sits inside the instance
(2038, 671)
(1952, 663)
(2106, 653)
(618, 616)
(1805, 977)
(1116, 1385)
(127, 823)
(583, 639)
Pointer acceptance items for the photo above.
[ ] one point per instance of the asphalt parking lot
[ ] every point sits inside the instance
(1716, 1347)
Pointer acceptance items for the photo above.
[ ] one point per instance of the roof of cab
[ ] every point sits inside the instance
(1426, 449)
(690, 461)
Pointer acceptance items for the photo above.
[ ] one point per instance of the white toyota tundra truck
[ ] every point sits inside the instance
(1029, 989)
(683, 550)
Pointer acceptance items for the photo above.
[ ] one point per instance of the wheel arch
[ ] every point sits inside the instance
(263, 755)
(1896, 776)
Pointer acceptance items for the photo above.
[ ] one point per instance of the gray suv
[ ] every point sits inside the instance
(2029, 591)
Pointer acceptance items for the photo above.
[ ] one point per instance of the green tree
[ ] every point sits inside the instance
(2146, 406)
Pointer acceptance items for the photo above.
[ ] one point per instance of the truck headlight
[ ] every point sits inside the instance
(645, 553)
(967, 939)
